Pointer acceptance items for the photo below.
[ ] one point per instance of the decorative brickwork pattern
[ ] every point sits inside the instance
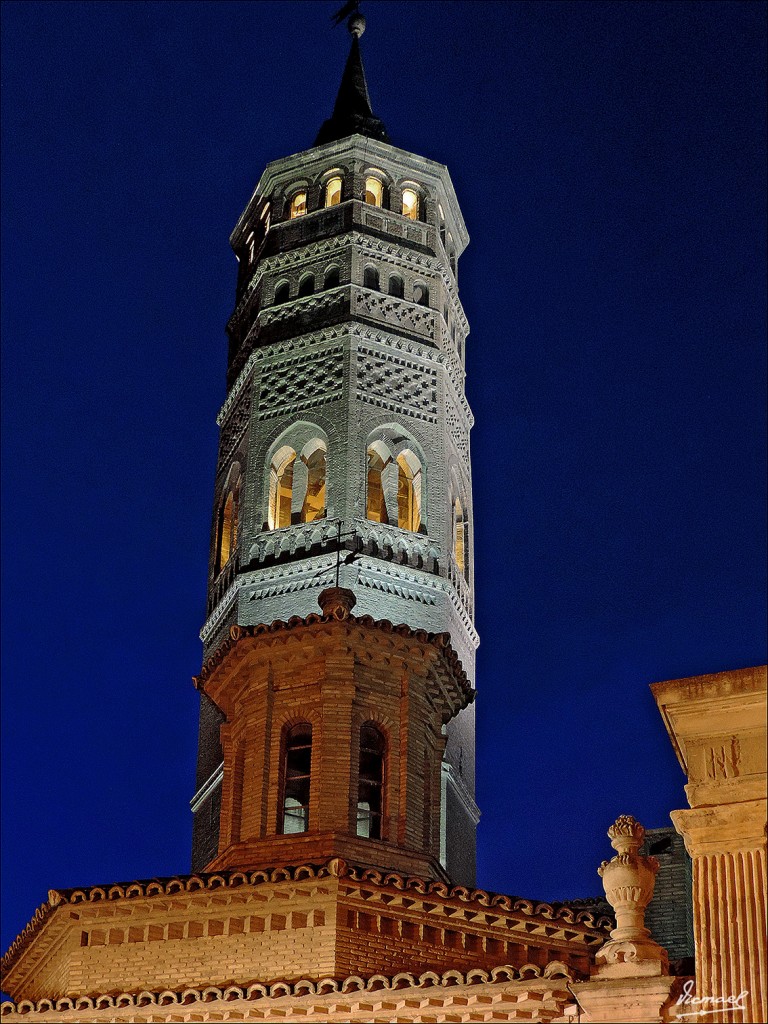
(457, 429)
(313, 923)
(527, 993)
(395, 312)
(301, 383)
(392, 382)
(234, 427)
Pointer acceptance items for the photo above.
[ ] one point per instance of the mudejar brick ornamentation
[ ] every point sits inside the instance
(333, 874)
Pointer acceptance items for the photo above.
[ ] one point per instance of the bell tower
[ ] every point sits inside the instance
(343, 469)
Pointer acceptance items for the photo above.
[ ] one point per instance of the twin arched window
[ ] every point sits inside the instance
(394, 487)
(297, 485)
(296, 778)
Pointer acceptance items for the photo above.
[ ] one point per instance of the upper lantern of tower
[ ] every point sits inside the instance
(352, 113)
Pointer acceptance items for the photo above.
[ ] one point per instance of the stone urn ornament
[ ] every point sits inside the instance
(629, 880)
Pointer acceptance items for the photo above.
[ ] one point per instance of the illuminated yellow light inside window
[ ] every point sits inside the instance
(227, 530)
(410, 204)
(377, 508)
(333, 192)
(299, 205)
(314, 500)
(374, 192)
(281, 488)
(408, 491)
(459, 537)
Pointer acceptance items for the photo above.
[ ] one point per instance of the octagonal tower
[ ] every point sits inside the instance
(344, 447)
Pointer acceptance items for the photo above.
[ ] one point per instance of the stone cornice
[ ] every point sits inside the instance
(454, 679)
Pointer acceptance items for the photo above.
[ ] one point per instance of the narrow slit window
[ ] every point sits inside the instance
(408, 491)
(281, 488)
(297, 771)
(298, 205)
(421, 294)
(396, 286)
(333, 192)
(370, 792)
(410, 204)
(226, 529)
(314, 500)
(374, 192)
(266, 218)
(376, 506)
(461, 538)
(371, 278)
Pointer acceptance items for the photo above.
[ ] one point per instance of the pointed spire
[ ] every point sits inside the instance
(352, 114)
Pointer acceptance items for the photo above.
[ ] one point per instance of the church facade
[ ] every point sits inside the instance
(333, 873)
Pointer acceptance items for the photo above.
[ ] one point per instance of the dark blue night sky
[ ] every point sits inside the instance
(609, 159)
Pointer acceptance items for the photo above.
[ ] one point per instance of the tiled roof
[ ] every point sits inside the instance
(334, 868)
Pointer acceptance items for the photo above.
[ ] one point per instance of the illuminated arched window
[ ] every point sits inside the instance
(396, 286)
(298, 205)
(282, 292)
(376, 506)
(461, 538)
(410, 204)
(371, 278)
(408, 491)
(314, 499)
(281, 488)
(421, 294)
(297, 771)
(370, 786)
(374, 192)
(332, 277)
(333, 192)
(306, 285)
(226, 527)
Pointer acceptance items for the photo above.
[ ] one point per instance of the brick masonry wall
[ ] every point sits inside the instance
(670, 913)
(331, 926)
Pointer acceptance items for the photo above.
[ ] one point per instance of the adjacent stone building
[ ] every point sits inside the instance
(333, 860)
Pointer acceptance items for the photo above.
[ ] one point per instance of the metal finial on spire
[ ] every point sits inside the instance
(356, 24)
(352, 114)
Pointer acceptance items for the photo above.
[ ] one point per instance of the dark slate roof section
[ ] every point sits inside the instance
(352, 114)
